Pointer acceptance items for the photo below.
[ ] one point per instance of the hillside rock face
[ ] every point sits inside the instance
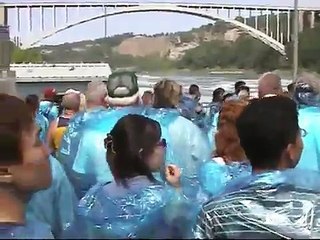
(170, 47)
(145, 46)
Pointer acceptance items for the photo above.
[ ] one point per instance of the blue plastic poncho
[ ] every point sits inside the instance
(31, 230)
(49, 110)
(308, 120)
(56, 205)
(90, 161)
(143, 209)
(43, 125)
(187, 145)
(71, 138)
(215, 177)
(265, 206)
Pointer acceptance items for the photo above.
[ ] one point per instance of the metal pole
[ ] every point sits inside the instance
(296, 42)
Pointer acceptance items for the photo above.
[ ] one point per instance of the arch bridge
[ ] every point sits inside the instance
(273, 37)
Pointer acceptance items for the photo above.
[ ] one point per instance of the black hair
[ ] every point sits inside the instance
(216, 93)
(32, 102)
(244, 87)
(291, 87)
(148, 92)
(133, 140)
(237, 85)
(265, 128)
(227, 95)
(15, 117)
(194, 89)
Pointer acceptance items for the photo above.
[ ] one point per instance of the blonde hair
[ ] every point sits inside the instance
(167, 94)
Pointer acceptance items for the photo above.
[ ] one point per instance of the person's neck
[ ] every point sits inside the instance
(91, 105)
(281, 167)
(12, 209)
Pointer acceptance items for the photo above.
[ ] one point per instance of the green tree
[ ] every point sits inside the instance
(27, 56)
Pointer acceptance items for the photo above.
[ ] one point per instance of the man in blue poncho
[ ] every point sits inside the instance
(47, 106)
(95, 105)
(89, 165)
(307, 95)
(276, 201)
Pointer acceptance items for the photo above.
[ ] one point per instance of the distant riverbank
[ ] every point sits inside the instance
(246, 74)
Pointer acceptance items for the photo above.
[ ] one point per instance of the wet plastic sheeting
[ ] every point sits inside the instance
(56, 205)
(187, 145)
(43, 125)
(71, 139)
(154, 211)
(269, 205)
(49, 110)
(215, 177)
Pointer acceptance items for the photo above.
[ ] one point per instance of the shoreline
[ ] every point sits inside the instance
(247, 74)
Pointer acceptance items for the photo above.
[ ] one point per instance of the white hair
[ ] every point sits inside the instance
(8, 86)
(95, 91)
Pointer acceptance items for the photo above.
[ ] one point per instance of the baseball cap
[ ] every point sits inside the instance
(49, 92)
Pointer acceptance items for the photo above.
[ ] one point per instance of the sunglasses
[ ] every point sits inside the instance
(303, 132)
(162, 143)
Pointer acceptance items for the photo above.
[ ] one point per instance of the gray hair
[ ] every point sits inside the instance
(8, 86)
(96, 91)
(311, 79)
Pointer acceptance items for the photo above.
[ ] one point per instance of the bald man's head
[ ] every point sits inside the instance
(269, 83)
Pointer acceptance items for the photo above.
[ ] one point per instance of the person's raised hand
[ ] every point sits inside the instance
(173, 175)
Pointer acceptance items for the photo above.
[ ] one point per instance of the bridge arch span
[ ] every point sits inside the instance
(181, 10)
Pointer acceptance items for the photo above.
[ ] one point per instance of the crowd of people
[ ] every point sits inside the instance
(114, 164)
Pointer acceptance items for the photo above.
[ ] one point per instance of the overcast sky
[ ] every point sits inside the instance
(147, 23)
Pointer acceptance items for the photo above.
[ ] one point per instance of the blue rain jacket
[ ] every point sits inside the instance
(43, 125)
(143, 209)
(309, 118)
(55, 206)
(270, 205)
(90, 164)
(49, 110)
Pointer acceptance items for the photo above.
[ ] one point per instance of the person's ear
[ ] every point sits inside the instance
(291, 151)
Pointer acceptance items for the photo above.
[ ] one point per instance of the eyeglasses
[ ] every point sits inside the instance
(303, 132)
(162, 143)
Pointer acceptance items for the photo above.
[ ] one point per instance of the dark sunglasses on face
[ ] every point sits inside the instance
(303, 132)
(162, 143)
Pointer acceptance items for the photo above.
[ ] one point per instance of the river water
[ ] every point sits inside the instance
(207, 84)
